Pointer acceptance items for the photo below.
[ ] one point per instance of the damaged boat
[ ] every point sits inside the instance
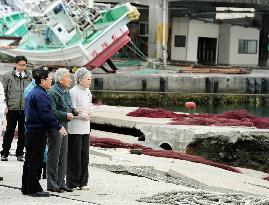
(65, 32)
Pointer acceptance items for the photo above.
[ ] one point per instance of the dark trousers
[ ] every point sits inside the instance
(77, 161)
(57, 160)
(14, 116)
(35, 143)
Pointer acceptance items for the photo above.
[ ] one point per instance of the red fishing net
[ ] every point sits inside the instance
(231, 118)
(153, 113)
(112, 143)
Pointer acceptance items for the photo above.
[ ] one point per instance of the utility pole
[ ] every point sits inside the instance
(164, 43)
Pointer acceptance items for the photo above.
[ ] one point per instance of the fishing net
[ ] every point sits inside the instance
(153, 113)
(112, 143)
(231, 118)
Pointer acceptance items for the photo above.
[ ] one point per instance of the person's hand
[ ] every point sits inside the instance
(63, 131)
(84, 116)
(69, 116)
(79, 110)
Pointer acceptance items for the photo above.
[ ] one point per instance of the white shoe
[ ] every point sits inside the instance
(85, 188)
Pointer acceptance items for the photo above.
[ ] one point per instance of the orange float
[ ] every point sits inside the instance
(190, 105)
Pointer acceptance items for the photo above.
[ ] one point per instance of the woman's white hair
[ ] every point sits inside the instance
(81, 73)
(60, 73)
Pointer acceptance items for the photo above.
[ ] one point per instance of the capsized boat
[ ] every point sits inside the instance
(68, 32)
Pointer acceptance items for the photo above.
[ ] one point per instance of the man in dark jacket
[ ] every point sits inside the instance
(39, 119)
(14, 83)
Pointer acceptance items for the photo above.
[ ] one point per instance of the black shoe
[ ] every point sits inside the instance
(66, 189)
(59, 190)
(20, 158)
(4, 158)
(40, 194)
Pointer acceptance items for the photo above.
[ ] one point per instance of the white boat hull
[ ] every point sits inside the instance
(77, 55)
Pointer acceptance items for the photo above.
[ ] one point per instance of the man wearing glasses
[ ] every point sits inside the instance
(14, 83)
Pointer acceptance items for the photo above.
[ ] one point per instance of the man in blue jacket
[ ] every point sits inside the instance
(27, 91)
(38, 120)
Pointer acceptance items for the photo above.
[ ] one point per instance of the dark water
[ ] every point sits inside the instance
(262, 111)
(213, 104)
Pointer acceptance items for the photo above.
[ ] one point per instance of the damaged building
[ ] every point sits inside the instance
(189, 31)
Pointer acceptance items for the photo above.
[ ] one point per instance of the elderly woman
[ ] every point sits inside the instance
(57, 144)
(79, 131)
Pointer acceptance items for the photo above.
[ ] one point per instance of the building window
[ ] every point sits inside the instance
(180, 41)
(247, 46)
(143, 29)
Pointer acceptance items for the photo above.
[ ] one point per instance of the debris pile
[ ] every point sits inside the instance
(203, 197)
(221, 70)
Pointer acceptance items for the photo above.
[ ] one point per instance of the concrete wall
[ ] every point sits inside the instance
(179, 27)
(129, 82)
(224, 44)
(239, 32)
(185, 83)
(197, 29)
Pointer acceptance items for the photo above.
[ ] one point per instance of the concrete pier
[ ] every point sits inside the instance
(157, 130)
(245, 146)
(173, 81)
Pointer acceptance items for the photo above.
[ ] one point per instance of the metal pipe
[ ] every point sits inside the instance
(90, 3)
(101, 5)
(164, 34)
